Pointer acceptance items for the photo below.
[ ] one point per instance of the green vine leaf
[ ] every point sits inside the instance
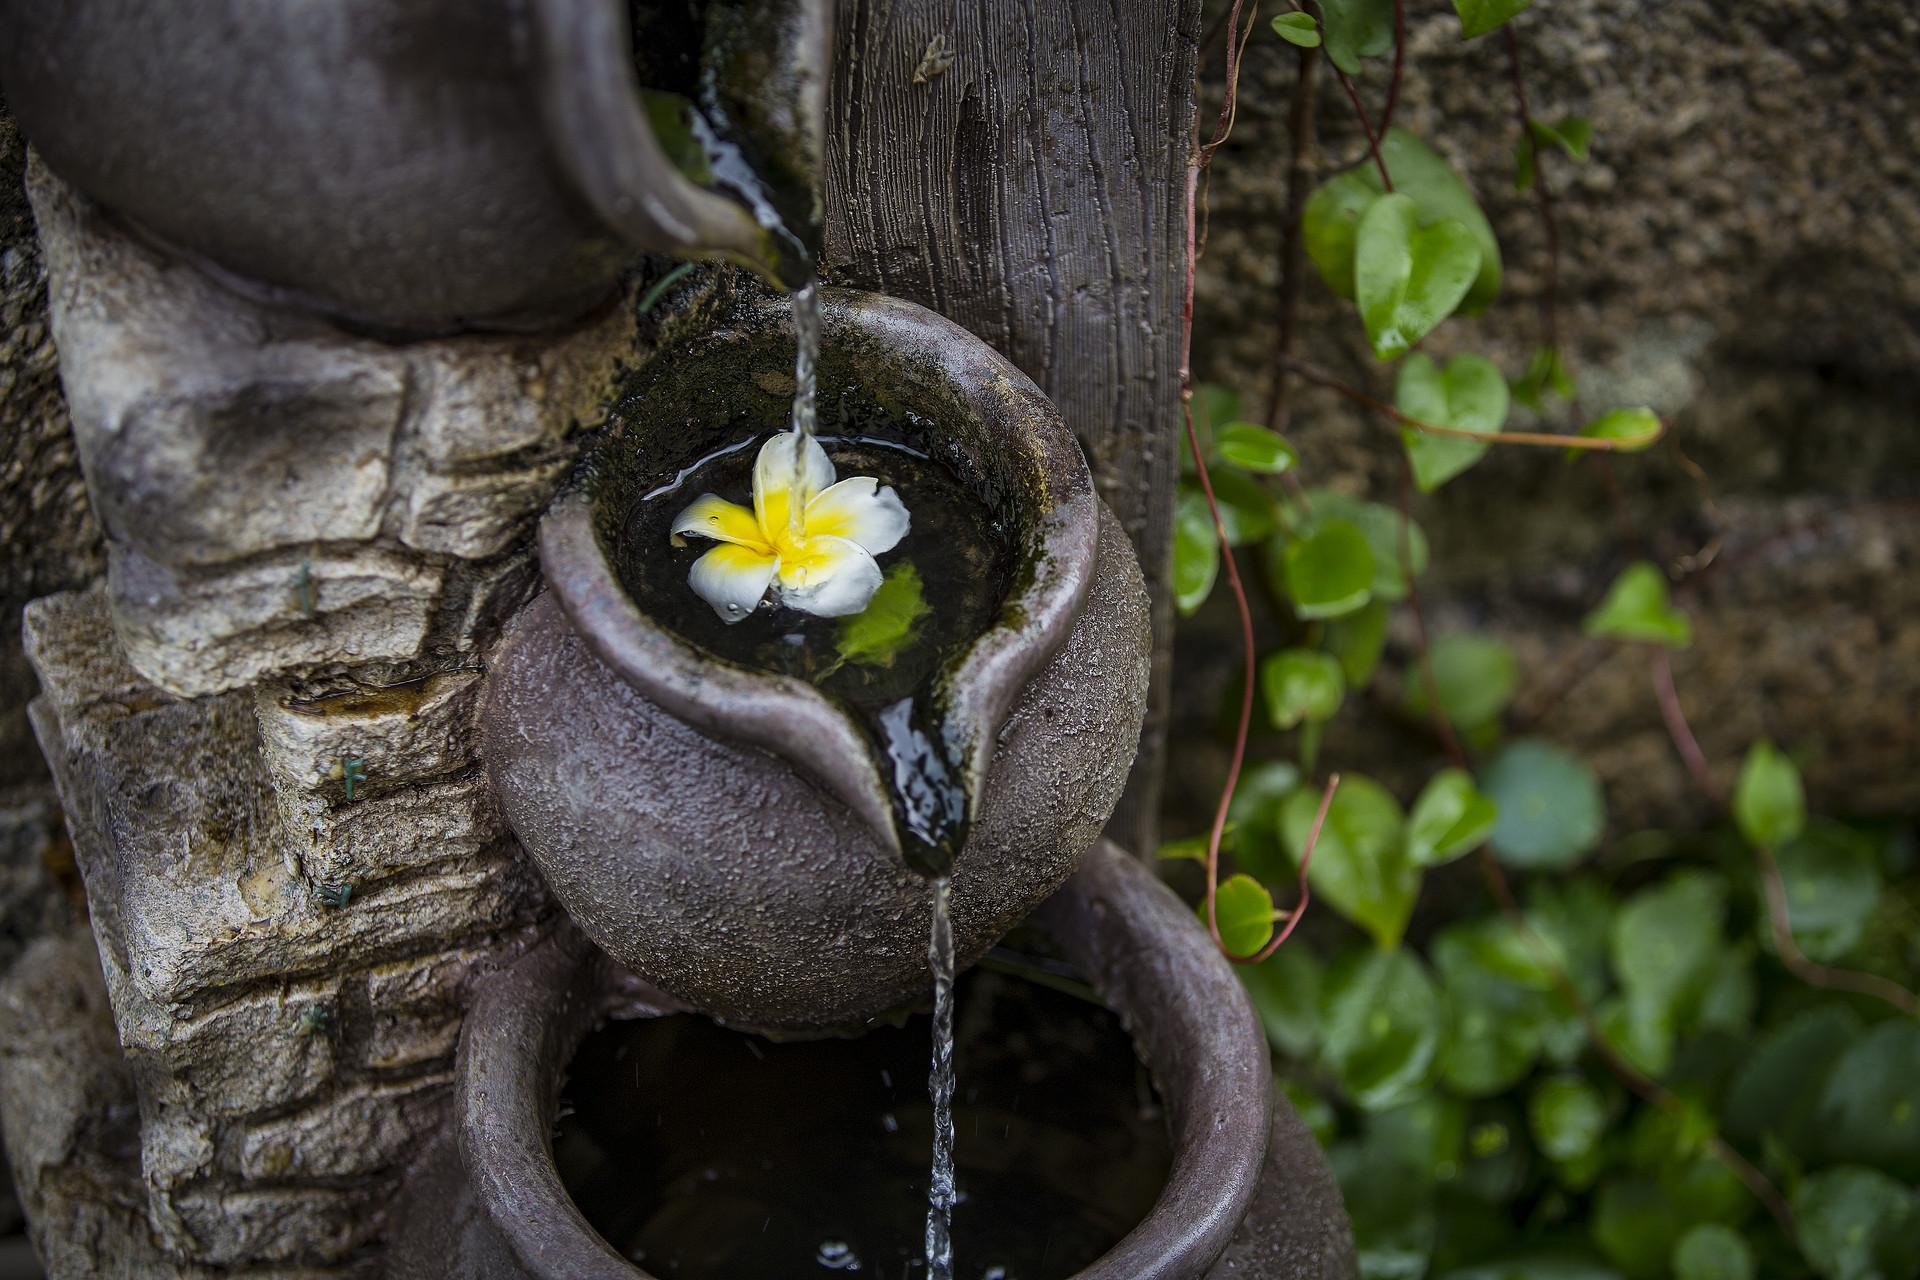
(1196, 551)
(1285, 988)
(1254, 815)
(1360, 865)
(1247, 510)
(1858, 1224)
(1380, 1019)
(1449, 819)
(1568, 1117)
(1869, 1112)
(1477, 17)
(1476, 676)
(1381, 526)
(1330, 572)
(1244, 911)
(1301, 685)
(1769, 803)
(1358, 640)
(1712, 1251)
(1469, 394)
(1551, 808)
(1406, 278)
(1330, 222)
(1546, 376)
(1255, 448)
(1298, 28)
(1357, 29)
(1638, 428)
(1637, 608)
(875, 636)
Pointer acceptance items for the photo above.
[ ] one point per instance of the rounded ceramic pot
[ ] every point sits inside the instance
(726, 833)
(1249, 1194)
(409, 165)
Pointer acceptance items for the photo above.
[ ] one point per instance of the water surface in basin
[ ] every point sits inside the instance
(706, 1154)
(945, 584)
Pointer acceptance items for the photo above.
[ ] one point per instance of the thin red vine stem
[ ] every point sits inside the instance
(1366, 127)
(1399, 65)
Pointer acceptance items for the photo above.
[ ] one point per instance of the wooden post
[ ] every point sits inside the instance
(1019, 167)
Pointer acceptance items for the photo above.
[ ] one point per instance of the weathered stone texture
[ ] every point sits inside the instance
(282, 498)
(1738, 255)
(288, 1049)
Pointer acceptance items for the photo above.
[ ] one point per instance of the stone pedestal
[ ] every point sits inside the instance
(261, 730)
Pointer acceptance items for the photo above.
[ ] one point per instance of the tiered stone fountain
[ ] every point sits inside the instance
(332, 971)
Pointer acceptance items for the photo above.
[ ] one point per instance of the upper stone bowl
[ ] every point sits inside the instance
(725, 832)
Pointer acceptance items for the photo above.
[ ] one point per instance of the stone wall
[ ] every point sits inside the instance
(1737, 254)
(261, 729)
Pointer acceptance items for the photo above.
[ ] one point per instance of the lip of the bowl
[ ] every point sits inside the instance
(1129, 934)
(789, 717)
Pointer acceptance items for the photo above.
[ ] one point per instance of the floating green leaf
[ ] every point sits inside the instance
(1408, 278)
(1358, 640)
(1360, 866)
(1285, 989)
(1329, 572)
(1380, 1018)
(1469, 395)
(1637, 608)
(1196, 551)
(1476, 676)
(1357, 29)
(1769, 803)
(1301, 684)
(875, 636)
(1869, 1111)
(1551, 809)
(1450, 818)
(1244, 911)
(1477, 17)
(1252, 447)
(1711, 1251)
(1858, 1224)
(1255, 817)
(1298, 28)
(1567, 1116)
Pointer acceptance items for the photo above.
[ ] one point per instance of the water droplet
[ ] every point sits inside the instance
(837, 1255)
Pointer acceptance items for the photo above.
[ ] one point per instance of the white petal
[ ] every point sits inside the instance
(859, 510)
(832, 577)
(711, 516)
(773, 477)
(732, 579)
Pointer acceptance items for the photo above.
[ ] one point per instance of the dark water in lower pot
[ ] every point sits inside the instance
(705, 1154)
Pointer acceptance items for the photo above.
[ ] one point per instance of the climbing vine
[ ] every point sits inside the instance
(1692, 1056)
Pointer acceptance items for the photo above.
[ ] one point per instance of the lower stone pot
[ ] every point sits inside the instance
(1247, 1192)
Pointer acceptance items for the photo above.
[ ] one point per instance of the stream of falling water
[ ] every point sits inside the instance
(806, 333)
(940, 1188)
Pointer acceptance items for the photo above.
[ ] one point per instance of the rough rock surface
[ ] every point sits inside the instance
(1736, 254)
(282, 498)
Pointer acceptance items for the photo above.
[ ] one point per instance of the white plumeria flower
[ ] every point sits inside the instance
(823, 566)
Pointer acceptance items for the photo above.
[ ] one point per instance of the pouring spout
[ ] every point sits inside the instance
(753, 76)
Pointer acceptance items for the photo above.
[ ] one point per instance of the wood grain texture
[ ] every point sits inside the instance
(1031, 189)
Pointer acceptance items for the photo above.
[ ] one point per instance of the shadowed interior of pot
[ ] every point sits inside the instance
(706, 1154)
(693, 424)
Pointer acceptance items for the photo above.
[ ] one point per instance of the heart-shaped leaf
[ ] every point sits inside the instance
(1330, 572)
(1300, 685)
(1551, 807)
(1407, 278)
(1332, 216)
(1450, 818)
(1476, 676)
(1636, 608)
(1196, 551)
(1298, 28)
(1360, 864)
(1395, 541)
(1357, 29)
(1244, 911)
(1252, 447)
(1769, 803)
(1380, 1020)
(1477, 17)
(1469, 395)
